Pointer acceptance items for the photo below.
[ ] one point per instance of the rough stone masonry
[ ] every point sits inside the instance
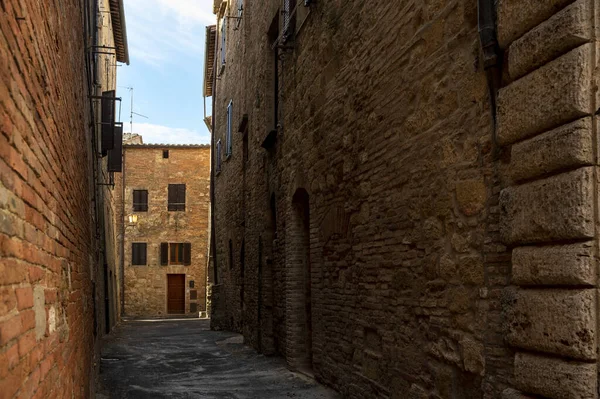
(395, 219)
(151, 168)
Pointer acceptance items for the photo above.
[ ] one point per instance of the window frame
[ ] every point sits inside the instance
(134, 260)
(165, 154)
(139, 206)
(175, 253)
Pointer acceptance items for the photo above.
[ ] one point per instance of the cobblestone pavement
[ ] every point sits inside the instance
(184, 359)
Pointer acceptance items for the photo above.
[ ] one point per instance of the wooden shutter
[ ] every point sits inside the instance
(144, 200)
(187, 254)
(142, 254)
(136, 200)
(164, 253)
(138, 253)
(115, 155)
(181, 197)
(108, 121)
(172, 197)
(134, 254)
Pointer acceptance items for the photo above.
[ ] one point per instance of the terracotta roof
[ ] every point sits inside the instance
(117, 13)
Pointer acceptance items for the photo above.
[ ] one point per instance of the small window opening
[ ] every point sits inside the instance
(165, 154)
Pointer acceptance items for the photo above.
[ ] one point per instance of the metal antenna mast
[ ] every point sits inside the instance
(131, 112)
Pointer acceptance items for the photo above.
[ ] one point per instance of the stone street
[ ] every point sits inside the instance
(184, 359)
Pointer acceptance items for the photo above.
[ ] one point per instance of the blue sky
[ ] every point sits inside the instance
(166, 41)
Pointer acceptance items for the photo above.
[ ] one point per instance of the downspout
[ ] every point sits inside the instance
(122, 271)
(213, 239)
(492, 55)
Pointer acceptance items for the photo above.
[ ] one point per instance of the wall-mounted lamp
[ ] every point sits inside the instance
(132, 218)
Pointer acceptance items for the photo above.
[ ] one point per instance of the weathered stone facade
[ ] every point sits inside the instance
(394, 219)
(145, 168)
(58, 261)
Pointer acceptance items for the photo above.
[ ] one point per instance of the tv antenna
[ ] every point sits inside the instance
(131, 113)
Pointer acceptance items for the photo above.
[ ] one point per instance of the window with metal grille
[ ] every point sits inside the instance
(138, 253)
(218, 156)
(165, 154)
(176, 253)
(140, 200)
(176, 197)
(228, 138)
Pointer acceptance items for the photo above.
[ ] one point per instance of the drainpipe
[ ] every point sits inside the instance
(213, 239)
(122, 271)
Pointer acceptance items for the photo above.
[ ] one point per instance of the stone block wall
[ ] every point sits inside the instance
(385, 123)
(546, 123)
(145, 287)
(451, 245)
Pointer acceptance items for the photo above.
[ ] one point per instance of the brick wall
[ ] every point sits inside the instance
(146, 169)
(52, 300)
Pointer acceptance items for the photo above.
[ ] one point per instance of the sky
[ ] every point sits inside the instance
(166, 40)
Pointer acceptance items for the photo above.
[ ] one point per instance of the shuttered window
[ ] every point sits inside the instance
(138, 253)
(140, 200)
(176, 197)
(228, 138)
(176, 253)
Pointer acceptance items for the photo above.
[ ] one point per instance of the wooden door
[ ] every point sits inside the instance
(175, 293)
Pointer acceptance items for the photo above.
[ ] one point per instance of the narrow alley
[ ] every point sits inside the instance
(183, 358)
(271, 199)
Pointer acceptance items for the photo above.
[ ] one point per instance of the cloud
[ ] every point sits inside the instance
(158, 134)
(164, 31)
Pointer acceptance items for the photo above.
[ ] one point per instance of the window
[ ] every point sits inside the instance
(165, 154)
(228, 138)
(140, 200)
(176, 197)
(223, 42)
(176, 253)
(289, 18)
(138, 253)
(218, 156)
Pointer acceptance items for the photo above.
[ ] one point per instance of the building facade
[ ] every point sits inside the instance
(405, 193)
(164, 197)
(58, 259)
